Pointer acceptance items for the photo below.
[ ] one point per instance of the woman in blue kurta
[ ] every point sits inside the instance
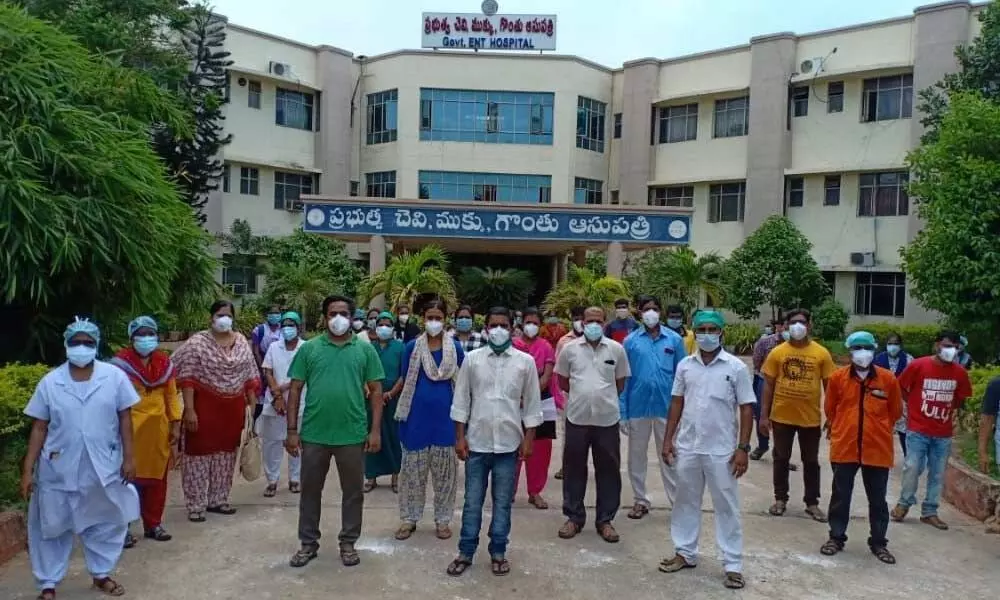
(426, 431)
(390, 352)
(78, 461)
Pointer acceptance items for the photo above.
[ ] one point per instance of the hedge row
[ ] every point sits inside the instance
(17, 383)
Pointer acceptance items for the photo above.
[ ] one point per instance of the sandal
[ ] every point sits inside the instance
(935, 522)
(638, 511)
(677, 563)
(884, 555)
(158, 534)
(130, 541)
(458, 566)
(734, 581)
(443, 532)
(196, 516)
(271, 490)
(899, 513)
(499, 566)
(538, 502)
(608, 533)
(222, 509)
(294, 487)
(758, 453)
(370, 484)
(559, 474)
(778, 508)
(47, 594)
(302, 557)
(569, 530)
(349, 556)
(405, 531)
(109, 586)
(831, 547)
(816, 513)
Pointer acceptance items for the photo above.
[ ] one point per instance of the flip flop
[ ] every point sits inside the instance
(499, 566)
(778, 508)
(675, 564)
(405, 531)
(638, 511)
(109, 586)
(734, 581)
(458, 566)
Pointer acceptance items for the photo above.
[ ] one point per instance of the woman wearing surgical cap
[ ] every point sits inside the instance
(272, 426)
(390, 350)
(218, 377)
(80, 456)
(156, 422)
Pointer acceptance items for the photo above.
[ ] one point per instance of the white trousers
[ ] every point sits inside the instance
(693, 472)
(639, 432)
(273, 430)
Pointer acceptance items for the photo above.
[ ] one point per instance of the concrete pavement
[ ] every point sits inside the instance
(245, 557)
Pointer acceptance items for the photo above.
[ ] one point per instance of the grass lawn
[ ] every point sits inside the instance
(968, 449)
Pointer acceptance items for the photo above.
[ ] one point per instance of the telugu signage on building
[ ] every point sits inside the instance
(507, 223)
(489, 32)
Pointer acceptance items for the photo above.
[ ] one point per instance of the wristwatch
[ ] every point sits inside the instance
(743, 447)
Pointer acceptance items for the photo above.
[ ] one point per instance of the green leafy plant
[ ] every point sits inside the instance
(410, 275)
(829, 320)
(739, 338)
(17, 383)
(679, 276)
(583, 287)
(485, 288)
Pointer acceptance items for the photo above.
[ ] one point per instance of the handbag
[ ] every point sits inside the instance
(251, 467)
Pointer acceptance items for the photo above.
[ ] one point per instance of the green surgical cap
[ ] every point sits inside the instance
(292, 315)
(387, 315)
(712, 317)
(861, 338)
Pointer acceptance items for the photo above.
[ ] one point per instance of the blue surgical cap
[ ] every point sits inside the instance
(862, 339)
(140, 322)
(82, 326)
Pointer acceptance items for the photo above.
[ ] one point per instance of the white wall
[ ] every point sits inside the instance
(704, 159)
(256, 137)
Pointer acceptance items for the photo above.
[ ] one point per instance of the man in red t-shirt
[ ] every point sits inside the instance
(935, 388)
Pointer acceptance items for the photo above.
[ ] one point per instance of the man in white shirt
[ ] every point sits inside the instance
(272, 424)
(712, 391)
(496, 407)
(592, 369)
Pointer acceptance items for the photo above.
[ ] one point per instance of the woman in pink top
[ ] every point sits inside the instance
(545, 359)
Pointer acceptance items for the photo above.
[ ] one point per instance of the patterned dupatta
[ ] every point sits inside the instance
(424, 358)
(202, 363)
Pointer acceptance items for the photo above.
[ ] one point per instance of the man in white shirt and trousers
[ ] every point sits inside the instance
(712, 391)
(496, 407)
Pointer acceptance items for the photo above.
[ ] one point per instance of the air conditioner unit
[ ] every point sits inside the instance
(279, 68)
(238, 289)
(294, 205)
(811, 65)
(863, 259)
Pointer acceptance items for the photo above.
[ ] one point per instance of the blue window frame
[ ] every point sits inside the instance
(293, 109)
(380, 184)
(492, 117)
(382, 117)
(485, 187)
(588, 191)
(590, 115)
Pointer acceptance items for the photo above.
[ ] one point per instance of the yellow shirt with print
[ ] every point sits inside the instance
(798, 375)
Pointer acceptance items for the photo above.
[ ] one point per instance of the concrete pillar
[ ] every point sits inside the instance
(772, 62)
(335, 74)
(560, 269)
(376, 264)
(616, 259)
(640, 88)
(580, 257)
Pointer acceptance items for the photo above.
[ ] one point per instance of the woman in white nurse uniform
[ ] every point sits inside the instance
(78, 465)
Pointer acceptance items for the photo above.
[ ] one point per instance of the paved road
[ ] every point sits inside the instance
(244, 557)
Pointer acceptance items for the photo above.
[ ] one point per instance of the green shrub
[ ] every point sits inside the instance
(829, 320)
(840, 354)
(918, 340)
(740, 337)
(968, 417)
(17, 383)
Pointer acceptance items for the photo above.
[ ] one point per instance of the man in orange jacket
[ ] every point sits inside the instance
(863, 402)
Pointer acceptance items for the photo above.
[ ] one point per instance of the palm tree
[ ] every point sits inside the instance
(583, 287)
(301, 288)
(484, 288)
(680, 275)
(409, 275)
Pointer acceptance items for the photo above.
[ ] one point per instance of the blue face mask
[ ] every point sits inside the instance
(675, 323)
(80, 356)
(384, 332)
(145, 344)
(593, 331)
(289, 333)
(463, 324)
(273, 318)
(892, 349)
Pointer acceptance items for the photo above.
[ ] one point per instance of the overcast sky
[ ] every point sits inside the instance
(608, 32)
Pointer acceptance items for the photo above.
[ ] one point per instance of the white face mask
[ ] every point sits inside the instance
(651, 318)
(578, 327)
(862, 358)
(339, 325)
(223, 324)
(798, 331)
(403, 318)
(499, 336)
(357, 324)
(948, 354)
(621, 313)
(530, 330)
(80, 356)
(433, 327)
(708, 342)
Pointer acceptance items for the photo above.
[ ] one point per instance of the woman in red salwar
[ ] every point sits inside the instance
(218, 379)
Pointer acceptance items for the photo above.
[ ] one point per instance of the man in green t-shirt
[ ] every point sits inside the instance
(337, 370)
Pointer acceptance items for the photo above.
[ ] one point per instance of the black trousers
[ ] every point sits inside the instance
(782, 437)
(876, 481)
(605, 445)
(316, 459)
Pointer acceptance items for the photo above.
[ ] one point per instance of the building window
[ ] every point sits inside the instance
(883, 195)
(615, 200)
(293, 109)
(485, 187)
(678, 123)
(590, 124)
(588, 191)
(830, 279)
(618, 125)
(835, 97)
(799, 101)
(880, 294)
(381, 184)
(249, 181)
(887, 98)
(652, 125)
(726, 202)
(253, 94)
(732, 117)
(225, 178)
(681, 196)
(795, 191)
(288, 187)
(382, 111)
(492, 117)
(239, 273)
(831, 190)
(354, 188)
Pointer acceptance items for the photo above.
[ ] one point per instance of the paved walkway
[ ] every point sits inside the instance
(244, 557)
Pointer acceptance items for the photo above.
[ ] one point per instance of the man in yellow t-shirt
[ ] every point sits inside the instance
(795, 375)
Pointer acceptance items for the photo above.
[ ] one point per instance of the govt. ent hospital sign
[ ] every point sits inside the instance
(402, 221)
(489, 32)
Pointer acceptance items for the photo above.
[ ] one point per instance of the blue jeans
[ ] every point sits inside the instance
(922, 452)
(763, 441)
(478, 468)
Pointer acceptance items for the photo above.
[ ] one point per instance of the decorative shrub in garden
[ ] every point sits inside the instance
(829, 320)
(17, 383)
(918, 340)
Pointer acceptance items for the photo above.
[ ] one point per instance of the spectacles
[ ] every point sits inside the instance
(88, 343)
